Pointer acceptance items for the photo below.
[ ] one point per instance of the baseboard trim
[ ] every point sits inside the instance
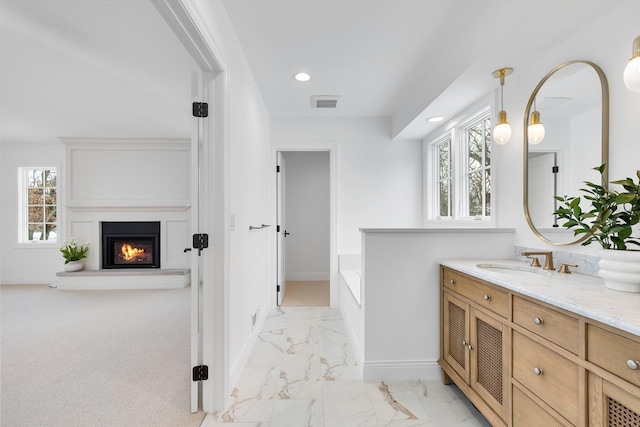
(29, 280)
(401, 370)
(241, 361)
(357, 351)
(307, 277)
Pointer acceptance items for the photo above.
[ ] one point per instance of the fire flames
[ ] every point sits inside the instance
(129, 253)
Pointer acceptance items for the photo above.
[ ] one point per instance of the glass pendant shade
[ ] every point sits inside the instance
(535, 131)
(632, 71)
(632, 75)
(502, 131)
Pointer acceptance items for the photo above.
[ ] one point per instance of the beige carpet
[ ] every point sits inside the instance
(306, 294)
(95, 358)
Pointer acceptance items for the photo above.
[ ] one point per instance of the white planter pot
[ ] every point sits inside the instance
(620, 269)
(73, 266)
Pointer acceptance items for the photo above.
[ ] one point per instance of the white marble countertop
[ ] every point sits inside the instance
(577, 293)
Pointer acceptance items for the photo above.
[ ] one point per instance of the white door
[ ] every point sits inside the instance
(542, 188)
(197, 170)
(282, 231)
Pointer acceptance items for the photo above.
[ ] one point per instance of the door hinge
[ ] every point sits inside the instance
(200, 242)
(200, 109)
(278, 169)
(278, 228)
(278, 288)
(555, 169)
(200, 373)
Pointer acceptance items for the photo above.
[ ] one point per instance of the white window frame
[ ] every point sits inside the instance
(23, 209)
(464, 167)
(455, 129)
(447, 138)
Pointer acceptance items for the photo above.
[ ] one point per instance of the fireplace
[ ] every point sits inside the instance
(130, 244)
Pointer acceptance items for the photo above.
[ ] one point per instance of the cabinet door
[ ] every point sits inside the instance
(488, 355)
(456, 334)
(611, 406)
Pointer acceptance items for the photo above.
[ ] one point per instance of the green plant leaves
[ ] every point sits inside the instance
(612, 215)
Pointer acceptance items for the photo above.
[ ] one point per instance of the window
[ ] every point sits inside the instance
(38, 204)
(458, 176)
(478, 174)
(443, 156)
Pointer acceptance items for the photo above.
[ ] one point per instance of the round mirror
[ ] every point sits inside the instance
(566, 135)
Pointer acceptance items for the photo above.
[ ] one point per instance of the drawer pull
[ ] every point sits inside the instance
(452, 281)
(633, 364)
(538, 321)
(487, 297)
(537, 371)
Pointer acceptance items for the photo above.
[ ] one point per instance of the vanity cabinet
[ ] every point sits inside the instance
(614, 395)
(549, 376)
(474, 341)
(524, 362)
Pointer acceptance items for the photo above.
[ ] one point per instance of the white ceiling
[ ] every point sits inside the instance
(98, 68)
(113, 68)
(404, 59)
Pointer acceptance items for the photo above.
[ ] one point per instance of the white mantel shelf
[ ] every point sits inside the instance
(102, 206)
(118, 279)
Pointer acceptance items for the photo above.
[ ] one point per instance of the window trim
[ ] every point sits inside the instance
(455, 129)
(23, 219)
(447, 138)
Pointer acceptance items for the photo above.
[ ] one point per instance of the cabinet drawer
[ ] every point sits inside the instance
(482, 294)
(547, 323)
(527, 413)
(612, 352)
(550, 376)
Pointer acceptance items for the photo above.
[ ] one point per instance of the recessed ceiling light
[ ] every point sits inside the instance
(302, 77)
(435, 119)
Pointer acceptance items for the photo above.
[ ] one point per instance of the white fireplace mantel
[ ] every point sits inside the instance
(118, 179)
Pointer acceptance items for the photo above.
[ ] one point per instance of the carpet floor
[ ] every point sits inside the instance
(306, 294)
(95, 358)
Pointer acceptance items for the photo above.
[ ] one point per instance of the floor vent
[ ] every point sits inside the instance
(324, 101)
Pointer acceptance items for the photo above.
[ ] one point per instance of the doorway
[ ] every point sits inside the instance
(304, 232)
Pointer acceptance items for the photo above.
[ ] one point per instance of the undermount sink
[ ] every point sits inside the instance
(519, 268)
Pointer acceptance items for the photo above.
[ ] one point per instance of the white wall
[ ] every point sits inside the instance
(606, 42)
(401, 294)
(89, 192)
(307, 215)
(251, 267)
(379, 180)
(26, 263)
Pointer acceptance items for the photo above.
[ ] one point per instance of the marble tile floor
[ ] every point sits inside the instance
(302, 373)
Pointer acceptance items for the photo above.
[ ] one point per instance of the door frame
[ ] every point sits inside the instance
(186, 23)
(331, 148)
(281, 229)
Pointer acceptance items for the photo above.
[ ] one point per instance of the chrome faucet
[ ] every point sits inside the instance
(548, 262)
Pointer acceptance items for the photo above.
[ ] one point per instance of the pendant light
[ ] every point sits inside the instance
(535, 130)
(632, 71)
(502, 130)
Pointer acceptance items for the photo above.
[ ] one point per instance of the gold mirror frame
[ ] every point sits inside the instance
(604, 87)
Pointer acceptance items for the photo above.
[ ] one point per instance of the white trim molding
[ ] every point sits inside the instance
(332, 148)
(401, 370)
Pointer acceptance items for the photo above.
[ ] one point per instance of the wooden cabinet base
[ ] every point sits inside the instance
(472, 395)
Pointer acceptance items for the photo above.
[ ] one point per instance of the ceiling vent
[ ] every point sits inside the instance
(324, 101)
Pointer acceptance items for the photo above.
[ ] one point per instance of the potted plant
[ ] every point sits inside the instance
(610, 221)
(72, 253)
